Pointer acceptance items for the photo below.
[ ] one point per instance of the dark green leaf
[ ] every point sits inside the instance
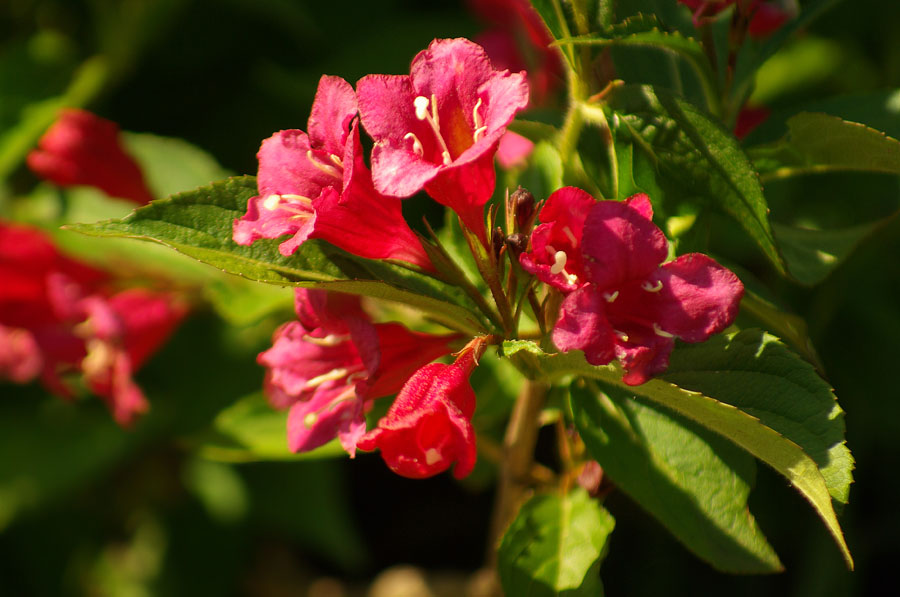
(812, 254)
(823, 143)
(692, 480)
(695, 150)
(199, 223)
(787, 404)
(554, 545)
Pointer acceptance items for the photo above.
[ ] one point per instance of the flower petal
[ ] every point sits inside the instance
(582, 325)
(332, 110)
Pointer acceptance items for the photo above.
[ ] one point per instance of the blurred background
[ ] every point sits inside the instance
(171, 508)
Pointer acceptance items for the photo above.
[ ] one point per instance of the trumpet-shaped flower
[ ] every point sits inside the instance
(329, 364)
(429, 426)
(438, 127)
(316, 185)
(83, 149)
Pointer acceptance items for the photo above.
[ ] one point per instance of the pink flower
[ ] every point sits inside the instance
(429, 426)
(623, 304)
(58, 318)
(83, 149)
(555, 256)
(333, 361)
(513, 150)
(438, 128)
(316, 185)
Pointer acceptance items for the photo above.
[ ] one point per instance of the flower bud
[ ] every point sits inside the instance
(523, 204)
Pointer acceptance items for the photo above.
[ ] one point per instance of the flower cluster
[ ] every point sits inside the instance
(60, 318)
(438, 129)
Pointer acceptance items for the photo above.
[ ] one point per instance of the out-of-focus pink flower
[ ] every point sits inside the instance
(429, 426)
(83, 149)
(438, 127)
(513, 150)
(749, 118)
(621, 303)
(316, 185)
(519, 40)
(58, 318)
(333, 361)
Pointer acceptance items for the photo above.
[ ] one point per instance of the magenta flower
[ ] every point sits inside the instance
(555, 256)
(622, 303)
(765, 16)
(316, 185)
(438, 128)
(429, 426)
(58, 318)
(333, 361)
(83, 149)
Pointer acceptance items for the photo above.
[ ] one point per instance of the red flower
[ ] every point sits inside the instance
(58, 318)
(438, 128)
(621, 302)
(749, 118)
(316, 185)
(429, 426)
(83, 149)
(330, 364)
(555, 256)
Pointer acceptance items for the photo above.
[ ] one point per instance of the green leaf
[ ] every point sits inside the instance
(692, 480)
(697, 152)
(251, 430)
(172, 165)
(818, 143)
(811, 255)
(545, 171)
(643, 32)
(198, 223)
(750, 389)
(554, 546)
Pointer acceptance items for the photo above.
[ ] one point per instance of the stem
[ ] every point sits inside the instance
(518, 463)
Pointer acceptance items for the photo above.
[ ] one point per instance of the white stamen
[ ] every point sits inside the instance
(329, 340)
(570, 235)
(652, 287)
(337, 160)
(479, 132)
(610, 297)
(310, 419)
(296, 198)
(417, 145)
(661, 332)
(432, 456)
(330, 376)
(447, 159)
(421, 104)
(434, 114)
(476, 117)
(622, 335)
(326, 168)
(559, 262)
(271, 202)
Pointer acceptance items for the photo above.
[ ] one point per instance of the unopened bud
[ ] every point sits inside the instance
(517, 244)
(498, 239)
(523, 203)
